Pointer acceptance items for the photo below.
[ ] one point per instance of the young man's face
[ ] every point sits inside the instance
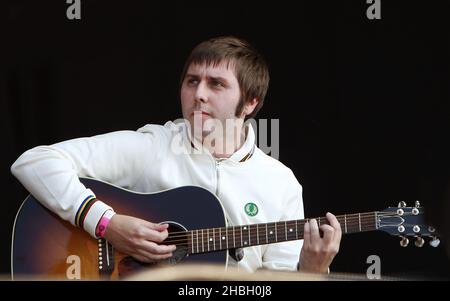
(210, 92)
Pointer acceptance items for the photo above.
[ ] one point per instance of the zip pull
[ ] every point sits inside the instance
(218, 161)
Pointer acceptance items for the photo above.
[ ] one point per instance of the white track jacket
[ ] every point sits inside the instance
(156, 158)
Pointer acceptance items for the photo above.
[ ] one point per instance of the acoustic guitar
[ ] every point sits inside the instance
(46, 247)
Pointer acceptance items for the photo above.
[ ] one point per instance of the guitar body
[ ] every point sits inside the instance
(45, 246)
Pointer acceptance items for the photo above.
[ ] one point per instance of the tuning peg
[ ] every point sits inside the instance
(401, 204)
(419, 242)
(417, 204)
(435, 242)
(404, 241)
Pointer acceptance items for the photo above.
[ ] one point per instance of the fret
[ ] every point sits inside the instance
(257, 235)
(207, 237)
(276, 230)
(218, 245)
(296, 229)
(214, 240)
(290, 235)
(359, 218)
(210, 240)
(374, 227)
(307, 221)
(285, 229)
(234, 238)
(267, 238)
(203, 245)
(192, 237)
(262, 233)
(279, 228)
(376, 218)
(198, 250)
(241, 236)
(249, 236)
(221, 247)
(245, 241)
(247, 228)
(345, 223)
(226, 236)
(272, 233)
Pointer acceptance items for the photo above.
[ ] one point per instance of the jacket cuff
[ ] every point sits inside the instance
(89, 212)
(93, 217)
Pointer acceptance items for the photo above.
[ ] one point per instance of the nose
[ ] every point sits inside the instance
(201, 93)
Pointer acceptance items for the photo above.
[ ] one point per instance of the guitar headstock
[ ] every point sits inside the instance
(407, 222)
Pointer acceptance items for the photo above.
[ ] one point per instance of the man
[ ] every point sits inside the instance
(224, 82)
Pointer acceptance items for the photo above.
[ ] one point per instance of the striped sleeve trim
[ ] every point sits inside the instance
(83, 210)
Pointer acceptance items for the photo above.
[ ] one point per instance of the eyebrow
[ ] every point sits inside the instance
(218, 78)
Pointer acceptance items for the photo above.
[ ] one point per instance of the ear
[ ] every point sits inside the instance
(250, 106)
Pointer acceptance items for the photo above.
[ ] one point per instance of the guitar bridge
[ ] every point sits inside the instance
(105, 258)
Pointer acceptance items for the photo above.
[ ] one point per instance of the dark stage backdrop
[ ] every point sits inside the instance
(363, 104)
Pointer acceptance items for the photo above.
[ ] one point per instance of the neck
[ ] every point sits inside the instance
(221, 144)
(230, 144)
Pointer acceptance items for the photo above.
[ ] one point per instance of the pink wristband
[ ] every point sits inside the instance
(103, 223)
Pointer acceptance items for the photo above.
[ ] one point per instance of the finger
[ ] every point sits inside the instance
(153, 235)
(306, 235)
(158, 227)
(154, 248)
(333, 221)
(328, 234)
(163, 249)
(337, 227)
(315, 235)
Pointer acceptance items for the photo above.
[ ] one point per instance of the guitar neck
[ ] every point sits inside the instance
(218, 239)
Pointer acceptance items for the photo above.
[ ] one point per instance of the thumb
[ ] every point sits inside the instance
(159, 227)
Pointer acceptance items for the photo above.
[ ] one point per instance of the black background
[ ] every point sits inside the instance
(363, 104)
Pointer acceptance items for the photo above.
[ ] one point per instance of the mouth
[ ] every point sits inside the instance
(203, 113)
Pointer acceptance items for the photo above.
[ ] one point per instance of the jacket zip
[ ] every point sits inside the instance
(217, 177)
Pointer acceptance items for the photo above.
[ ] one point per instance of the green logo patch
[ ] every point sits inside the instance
(251, 209)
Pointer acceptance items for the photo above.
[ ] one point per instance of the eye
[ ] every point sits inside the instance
(217, 84)
(192, 82)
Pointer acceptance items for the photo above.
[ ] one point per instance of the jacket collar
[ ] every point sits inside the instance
(242, 154)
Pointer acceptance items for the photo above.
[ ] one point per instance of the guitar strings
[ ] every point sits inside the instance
(252, 237)
(230, 230)
(299, 222)
(350, 220)
(202, 246)
(230, 243)
(351, 223)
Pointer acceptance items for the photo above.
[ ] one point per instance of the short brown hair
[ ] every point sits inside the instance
(251, 69)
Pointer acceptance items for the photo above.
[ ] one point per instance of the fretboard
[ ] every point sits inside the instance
(217, 239)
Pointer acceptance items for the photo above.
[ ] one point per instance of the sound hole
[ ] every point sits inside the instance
(177, 236)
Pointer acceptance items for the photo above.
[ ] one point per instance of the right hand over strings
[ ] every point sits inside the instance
(139, 238)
